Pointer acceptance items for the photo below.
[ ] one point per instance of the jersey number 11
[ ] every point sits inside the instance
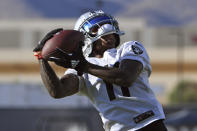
(110, 89)
(111, 94)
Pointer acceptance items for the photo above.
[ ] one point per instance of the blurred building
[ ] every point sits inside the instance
(172, 51)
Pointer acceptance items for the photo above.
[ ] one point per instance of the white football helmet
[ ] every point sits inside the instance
(94, 25)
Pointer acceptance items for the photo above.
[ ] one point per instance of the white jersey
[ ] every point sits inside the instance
(123, 109)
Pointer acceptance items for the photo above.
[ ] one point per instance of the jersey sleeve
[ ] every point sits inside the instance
(70, 71)
(134, 51)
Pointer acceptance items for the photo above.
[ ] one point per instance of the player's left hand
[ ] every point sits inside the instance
(75, 61)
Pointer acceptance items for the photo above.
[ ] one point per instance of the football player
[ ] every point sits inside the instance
(114, 77)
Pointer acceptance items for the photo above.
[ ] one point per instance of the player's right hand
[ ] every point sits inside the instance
(48, 36)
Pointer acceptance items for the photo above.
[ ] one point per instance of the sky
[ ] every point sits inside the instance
(155, 12)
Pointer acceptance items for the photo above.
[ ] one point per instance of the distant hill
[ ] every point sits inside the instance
(155, 12)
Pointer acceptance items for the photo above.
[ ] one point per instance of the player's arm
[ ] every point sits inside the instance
(58, 88)
(125, 75)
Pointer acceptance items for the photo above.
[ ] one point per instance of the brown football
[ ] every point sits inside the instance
(66, 40)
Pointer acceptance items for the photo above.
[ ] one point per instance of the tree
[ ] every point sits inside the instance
(184, 92)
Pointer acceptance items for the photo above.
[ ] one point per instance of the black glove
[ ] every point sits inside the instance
(46, 38)
(75, 61)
